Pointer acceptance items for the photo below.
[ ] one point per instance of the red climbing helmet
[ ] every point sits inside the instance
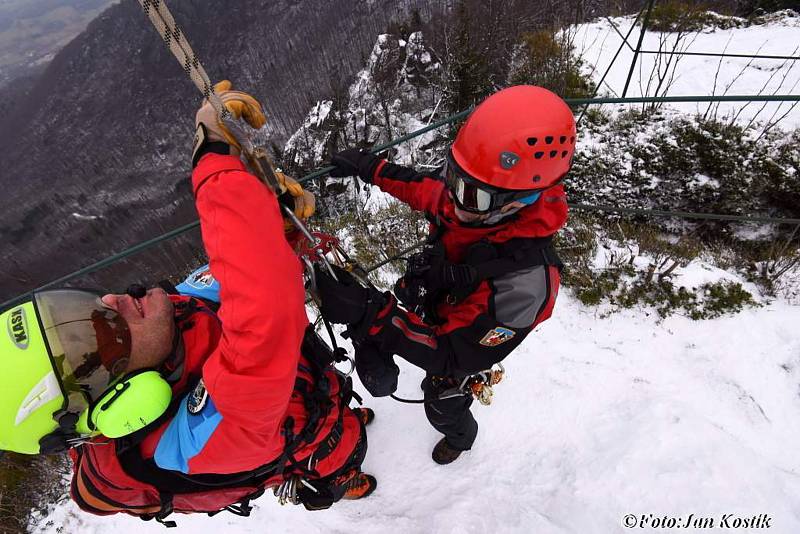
(520, 139)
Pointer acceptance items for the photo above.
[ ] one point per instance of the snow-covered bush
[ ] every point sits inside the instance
(547, 58)
(758, 10)
(681, 16)
(29, 485)
(687, 164)
(626, 265)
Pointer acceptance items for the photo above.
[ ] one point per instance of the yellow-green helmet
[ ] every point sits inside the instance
(63, 356)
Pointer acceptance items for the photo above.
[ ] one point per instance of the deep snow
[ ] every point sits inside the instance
(701, 75)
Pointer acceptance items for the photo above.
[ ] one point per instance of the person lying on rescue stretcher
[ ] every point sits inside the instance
(195, 410)
(488, 274)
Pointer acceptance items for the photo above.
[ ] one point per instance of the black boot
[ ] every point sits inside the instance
(444, 454)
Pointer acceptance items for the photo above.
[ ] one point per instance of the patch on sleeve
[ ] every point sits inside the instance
(497, 336)
(187, 434)
(202, 284)
(201, 278)
(197, 399)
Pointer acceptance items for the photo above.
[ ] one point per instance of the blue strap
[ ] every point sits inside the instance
(186, 436)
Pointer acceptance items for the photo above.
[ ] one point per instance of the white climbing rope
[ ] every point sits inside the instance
(258, 157)
(173, 36)
(164, 23)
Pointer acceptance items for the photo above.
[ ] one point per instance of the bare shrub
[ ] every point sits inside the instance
(29, 485)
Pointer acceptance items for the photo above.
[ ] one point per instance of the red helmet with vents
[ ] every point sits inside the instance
(519, 139)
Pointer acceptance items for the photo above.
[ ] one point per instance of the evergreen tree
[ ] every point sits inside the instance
(467, 73)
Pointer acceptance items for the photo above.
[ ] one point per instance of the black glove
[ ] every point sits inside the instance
(343, 302)
(355, 162)
(347, 302)
(377, 370)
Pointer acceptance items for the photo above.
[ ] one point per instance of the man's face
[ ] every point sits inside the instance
(151, 323)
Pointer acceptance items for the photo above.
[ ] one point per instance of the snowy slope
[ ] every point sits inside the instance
(598, 418)
(390, 97)
(700, 75)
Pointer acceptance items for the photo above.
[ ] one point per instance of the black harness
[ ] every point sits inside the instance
(431, 278)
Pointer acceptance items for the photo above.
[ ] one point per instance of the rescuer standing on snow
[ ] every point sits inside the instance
(489, 273)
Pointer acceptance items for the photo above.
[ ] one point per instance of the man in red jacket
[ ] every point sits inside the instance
(255, 401)
(488, 274)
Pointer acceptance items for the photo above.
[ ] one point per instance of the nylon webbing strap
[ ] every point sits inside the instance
(526, 258)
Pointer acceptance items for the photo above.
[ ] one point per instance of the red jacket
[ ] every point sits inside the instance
(248, 356)
(485, 327)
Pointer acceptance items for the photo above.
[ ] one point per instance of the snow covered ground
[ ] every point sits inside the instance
(701, 75)
(597, 419)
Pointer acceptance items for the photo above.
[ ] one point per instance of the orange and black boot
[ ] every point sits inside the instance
(360, 486)
(365, 414)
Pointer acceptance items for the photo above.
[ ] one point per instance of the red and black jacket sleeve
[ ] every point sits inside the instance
(421, 191)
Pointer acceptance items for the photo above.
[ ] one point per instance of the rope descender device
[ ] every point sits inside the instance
(479, 386)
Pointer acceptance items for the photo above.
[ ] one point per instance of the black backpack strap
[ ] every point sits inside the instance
(166, 511)
(168, 287)
(438, 230)
(486, 261)
(331, 441)
(243, 508)
(519, 254)
(317, 351)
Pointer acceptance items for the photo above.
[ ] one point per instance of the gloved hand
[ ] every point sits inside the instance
(355, 162)
(376, 369)
(343, 302)
(209, 129)
(300, 201)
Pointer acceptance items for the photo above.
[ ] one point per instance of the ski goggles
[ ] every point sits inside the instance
(472, 195)
(89, 345)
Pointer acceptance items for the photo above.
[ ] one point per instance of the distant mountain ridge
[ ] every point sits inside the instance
(32, 31)
(106, 129)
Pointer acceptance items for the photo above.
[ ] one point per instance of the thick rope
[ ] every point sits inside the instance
(260, 162)
(176, 41)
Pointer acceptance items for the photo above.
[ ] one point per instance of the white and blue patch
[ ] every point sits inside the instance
(197, 398)
(497, 336)
(201, 284)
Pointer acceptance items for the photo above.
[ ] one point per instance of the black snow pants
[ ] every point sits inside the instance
(450, 416)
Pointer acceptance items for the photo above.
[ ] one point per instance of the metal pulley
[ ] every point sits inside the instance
(480, 385)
